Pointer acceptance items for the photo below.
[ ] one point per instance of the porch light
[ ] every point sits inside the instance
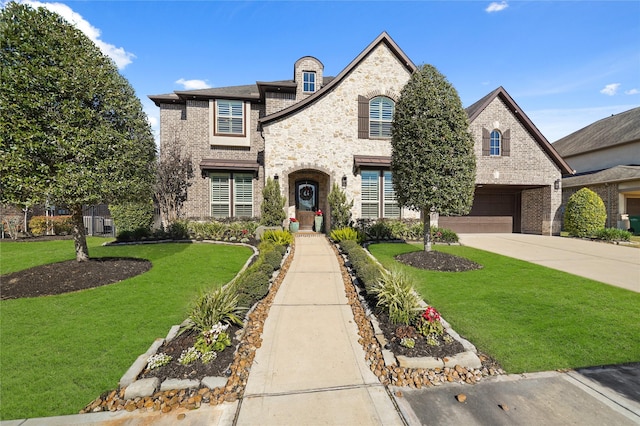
(556, 184)
(344, 181)
(276, 177)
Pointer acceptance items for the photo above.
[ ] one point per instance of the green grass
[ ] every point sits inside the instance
(529, 317)
(58, 353)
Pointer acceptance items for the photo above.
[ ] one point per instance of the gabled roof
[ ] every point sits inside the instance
(382, 38)
(474, 111)
(616, 130)
(612, 175)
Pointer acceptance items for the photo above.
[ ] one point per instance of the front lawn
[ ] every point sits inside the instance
(58, 353)
(529, 317)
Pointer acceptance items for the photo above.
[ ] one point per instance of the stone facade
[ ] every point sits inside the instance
(324, 136)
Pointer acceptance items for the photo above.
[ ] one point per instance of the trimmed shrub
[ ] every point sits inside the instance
(444, 235)
(613, 234)
(585, 214)
(342, 234)
(134, 218)
(220, 305)
(279, 237)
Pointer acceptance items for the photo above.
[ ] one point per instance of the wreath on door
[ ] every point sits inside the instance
(306, 193)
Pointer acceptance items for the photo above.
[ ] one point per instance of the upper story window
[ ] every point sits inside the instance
(381, 111)
(495, 143)
(308, 81)
(229, 117)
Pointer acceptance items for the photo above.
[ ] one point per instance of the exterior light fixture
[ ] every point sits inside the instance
(276, 177)
(556, 184)
(344, 181)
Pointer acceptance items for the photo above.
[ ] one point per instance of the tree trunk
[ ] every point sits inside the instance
(426, 220)
(79, 237)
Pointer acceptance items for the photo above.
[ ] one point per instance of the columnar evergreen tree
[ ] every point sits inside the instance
(340, 208)
(272, 210)
(432, 162)
(72, 131)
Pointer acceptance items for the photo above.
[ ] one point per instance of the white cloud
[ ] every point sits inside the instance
(610, 89)
(121, 57)
(193, 84)
(632, 92)
(496, 7)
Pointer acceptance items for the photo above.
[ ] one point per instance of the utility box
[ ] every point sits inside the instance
(634, 223)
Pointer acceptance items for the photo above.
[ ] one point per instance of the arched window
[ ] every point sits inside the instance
(495, 143)
(381, 111)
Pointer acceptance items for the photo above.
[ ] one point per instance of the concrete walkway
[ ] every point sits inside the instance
(311, 368)
(608, 263)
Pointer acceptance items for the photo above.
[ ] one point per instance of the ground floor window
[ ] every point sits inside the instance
(231, 194)
(378, 196)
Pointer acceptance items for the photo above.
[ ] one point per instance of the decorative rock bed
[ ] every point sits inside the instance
(150, 394)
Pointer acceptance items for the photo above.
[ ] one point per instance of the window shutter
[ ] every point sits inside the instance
(363, 117)
(486, 142)
(506, 143)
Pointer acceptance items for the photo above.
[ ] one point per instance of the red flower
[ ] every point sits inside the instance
(293, 219)
(319, 212)
(431, 314)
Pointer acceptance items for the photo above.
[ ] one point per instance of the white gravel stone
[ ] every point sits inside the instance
(170, 384)
(214, 382)
(142, 388)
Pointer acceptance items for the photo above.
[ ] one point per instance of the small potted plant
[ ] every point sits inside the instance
(294, 225)
(318, 220)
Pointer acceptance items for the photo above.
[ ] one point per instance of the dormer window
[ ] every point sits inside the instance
(309, 81)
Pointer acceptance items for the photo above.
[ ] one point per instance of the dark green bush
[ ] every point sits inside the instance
(613, 234)
(443, 235)
(132, 216)
(585, 214)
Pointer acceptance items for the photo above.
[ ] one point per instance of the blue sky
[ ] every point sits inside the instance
(566, 63)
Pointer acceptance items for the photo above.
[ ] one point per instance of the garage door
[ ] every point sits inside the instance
(492, 212)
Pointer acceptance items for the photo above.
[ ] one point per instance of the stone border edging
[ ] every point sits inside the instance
(381, 361)
(148, 394)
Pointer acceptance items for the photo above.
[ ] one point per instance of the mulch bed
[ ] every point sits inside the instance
(437, 261)
(69, 276)
(219, 367)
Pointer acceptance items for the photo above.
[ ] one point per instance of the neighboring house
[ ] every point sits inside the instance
(606, 159)
(313, 131)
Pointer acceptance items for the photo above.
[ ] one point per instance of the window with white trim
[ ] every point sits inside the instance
(381, 111)
(229, 117)
(226, 187)
(495, 143)
(378, 195)
(308, 81)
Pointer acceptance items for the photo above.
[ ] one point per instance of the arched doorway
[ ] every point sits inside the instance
(306, 191)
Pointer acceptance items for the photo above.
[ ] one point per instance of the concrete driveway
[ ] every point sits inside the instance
(612, 264)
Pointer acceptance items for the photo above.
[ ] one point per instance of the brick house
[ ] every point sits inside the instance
(606, 159)
(315, 130)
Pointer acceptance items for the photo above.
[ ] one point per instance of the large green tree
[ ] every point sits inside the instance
(433, 162)
(72, 131)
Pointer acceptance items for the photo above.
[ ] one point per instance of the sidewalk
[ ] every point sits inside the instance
(310, 368)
